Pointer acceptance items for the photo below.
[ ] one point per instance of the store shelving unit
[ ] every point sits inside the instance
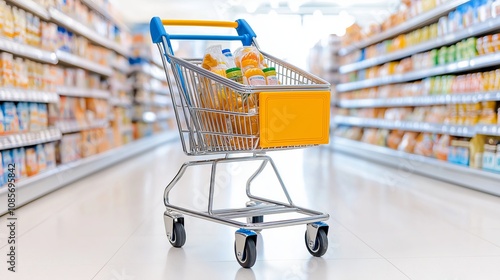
(80, 62)
(153, 71)
(34, 187)
(118, 94)
(455, 130)
(83, 92)
(477, 30)
(25, 95)
(32, 7)
(71, 24)
(475, 63)
(27, 51)
(120, 102)
(94, 6)
(411, 24)
(439, 99)
(461, 175)
(22, 139)
(75, 126)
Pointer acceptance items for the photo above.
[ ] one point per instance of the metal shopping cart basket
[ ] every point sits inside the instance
(217, 116)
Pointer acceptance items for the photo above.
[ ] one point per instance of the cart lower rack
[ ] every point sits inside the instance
(216, 115)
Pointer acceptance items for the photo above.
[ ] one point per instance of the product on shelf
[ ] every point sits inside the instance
(50, 154)
(466, 15)
(19, 157)
(41, 157)
(7, 161)
(408, 142)
(424, 144)
(31, 161)
(490, 154)
(440, 149)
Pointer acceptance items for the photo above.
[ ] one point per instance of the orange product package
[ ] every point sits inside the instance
(424, 144)
(408, 142)
(441, 147)
(394, 139)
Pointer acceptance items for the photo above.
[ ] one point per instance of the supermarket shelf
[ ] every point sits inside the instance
(479, 29)
(94, 6)
(77, 27)
(163, 116)
(120, 102)
(492, 130)
(455, 130)
(421, 100)
(75, 126)
(122, 67)
(32, 7)
(24, 95)
(27, 51)
(156, 103)
(411, 24)
(146, 117)
(117, 86)
(29, 138)
(151, 70)
(77, 61)
(157, 90)
(83, 92)
(455, 67)
(461, 175)
(34, 187)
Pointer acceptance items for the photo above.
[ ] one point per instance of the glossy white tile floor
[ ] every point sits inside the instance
(386, 224)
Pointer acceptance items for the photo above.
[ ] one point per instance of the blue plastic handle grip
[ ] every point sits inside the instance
(245, 33)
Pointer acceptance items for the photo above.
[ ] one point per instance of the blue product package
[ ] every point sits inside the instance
(10, 118)
(6, 161)
(23, 116)
(17, 157)
(2, 182)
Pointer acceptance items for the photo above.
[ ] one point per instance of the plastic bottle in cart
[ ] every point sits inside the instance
(229, 58)
(235, 74)
(270, 74)
(252, 74)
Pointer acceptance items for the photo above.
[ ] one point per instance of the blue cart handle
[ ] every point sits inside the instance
(245, 32)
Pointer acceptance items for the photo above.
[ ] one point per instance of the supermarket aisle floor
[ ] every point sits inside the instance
(386, 224)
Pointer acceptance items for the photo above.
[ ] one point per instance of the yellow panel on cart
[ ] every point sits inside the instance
(294, 118)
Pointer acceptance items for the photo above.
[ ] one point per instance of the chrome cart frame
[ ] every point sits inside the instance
(225, 129)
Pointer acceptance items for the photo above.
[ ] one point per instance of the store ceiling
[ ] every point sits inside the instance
(141, 11)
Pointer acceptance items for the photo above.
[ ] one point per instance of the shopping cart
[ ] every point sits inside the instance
(217, 116)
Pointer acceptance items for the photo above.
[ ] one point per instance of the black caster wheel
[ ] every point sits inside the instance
(178, 235)
(320, 245)
(249, 255)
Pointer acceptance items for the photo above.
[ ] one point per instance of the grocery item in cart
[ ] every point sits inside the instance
(214, 60)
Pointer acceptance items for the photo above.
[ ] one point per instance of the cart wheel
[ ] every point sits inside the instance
(249, 254)
(320, 245)
(178, 235)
